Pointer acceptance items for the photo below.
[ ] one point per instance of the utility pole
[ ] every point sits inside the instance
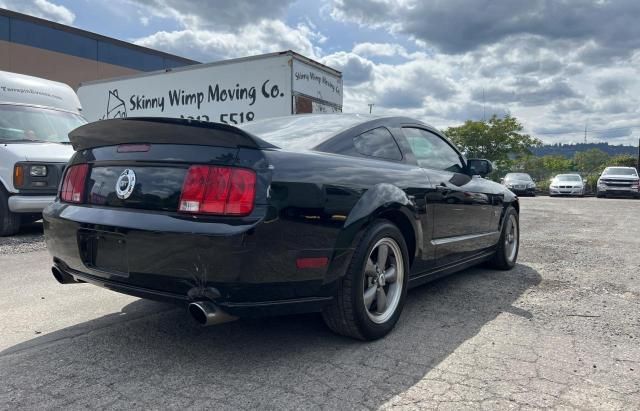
(585, 132)
(484, 113)
(370, 107)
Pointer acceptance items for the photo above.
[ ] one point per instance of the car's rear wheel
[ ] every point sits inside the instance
(509, 244)
(9, 222)
(372, 293)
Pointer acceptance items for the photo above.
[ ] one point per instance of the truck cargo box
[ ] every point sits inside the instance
(232, 91)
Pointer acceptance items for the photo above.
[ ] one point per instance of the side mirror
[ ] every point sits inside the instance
(479, 167)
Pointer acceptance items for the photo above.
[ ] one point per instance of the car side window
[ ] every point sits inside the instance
(377, 143)
(431, 151)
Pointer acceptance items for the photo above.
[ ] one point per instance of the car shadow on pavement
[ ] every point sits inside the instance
(154, 356)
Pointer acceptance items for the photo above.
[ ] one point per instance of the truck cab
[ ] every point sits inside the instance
(36, 116)
(619, 181)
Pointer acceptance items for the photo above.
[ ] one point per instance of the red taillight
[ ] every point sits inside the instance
(72, 190)
(218, 190)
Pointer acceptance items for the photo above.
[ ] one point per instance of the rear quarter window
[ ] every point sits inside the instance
(377, 143)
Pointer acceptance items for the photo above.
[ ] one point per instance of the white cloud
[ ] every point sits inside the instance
(221, 15)
(208, 45)
(380, 49)
(355, 69)
(41, 8)
(441, 62)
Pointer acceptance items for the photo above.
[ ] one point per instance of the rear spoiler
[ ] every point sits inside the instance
(160, 130)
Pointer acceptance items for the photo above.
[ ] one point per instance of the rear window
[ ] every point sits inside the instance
(377, 143)
(302, 132)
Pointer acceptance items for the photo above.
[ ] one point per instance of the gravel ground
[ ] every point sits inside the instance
(559, 331)
(30, 238)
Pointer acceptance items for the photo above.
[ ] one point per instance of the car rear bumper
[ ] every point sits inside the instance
(247, 267)
(239, 309)
(29, 204)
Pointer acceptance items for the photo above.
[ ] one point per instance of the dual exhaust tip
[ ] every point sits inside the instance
(203, 312)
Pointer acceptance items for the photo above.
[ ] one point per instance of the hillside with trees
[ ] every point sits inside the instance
(570, 150)
(501, 140)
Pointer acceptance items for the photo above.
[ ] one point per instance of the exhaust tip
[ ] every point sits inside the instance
(207, 313)
(198, 313)
(62, 277)
(57, 274)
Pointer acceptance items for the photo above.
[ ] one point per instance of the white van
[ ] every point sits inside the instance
(36, 116)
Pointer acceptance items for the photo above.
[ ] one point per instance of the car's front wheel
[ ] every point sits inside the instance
(372, 293)
(509, 243)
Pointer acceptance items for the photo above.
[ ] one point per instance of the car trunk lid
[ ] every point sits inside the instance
(144, 163)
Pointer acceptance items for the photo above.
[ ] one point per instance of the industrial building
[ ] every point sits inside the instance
(38, 47)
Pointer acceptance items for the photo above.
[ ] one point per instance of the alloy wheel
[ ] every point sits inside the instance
(511, 238)
(383, 280)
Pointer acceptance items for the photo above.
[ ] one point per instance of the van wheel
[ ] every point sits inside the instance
(509, 243)
(371, 295)
(9, 222)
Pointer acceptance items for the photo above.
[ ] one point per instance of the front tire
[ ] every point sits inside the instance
(371, 295)
(509, 244)
(9, 221)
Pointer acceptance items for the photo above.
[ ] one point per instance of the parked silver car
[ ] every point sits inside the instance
(567, 184)
(619, 181)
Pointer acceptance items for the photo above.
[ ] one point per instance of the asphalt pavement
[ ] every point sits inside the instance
(561, 330)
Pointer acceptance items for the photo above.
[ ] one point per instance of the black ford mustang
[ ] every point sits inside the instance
(331, 213)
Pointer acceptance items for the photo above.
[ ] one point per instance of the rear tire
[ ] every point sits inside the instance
(372, 293)
(9, 222)
(509, 244)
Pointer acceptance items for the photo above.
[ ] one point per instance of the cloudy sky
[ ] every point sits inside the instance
(556, 65)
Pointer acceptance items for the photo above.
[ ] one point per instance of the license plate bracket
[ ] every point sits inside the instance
(104, 251)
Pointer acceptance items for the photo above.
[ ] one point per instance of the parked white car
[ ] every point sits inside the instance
(567, 184)
(36, 116)
(619, 182)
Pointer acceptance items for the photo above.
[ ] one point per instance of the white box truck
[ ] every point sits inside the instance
(232, 91)
(36, 116)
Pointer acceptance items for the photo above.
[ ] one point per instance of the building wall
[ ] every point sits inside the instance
(56, 66)
(41, 48)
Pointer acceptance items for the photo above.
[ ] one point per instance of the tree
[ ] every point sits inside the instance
(623, 160)
(557, 164)
(543, 168)
(499, 139)
(591, 161)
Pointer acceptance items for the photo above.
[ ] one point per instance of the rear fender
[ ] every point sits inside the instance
(381, 199)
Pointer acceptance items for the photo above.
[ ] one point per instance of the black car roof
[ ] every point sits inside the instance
(307, 131)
